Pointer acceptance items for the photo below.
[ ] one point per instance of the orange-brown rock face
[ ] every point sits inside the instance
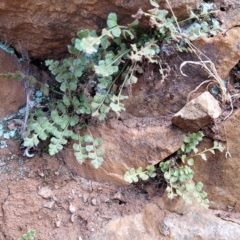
(45, 28)
(12, 95)
(221, 175)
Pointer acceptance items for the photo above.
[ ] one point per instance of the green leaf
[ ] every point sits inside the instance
(130, 176)
(30, 142)
(190, 161)
(112, 20)
(92, 155)
(88, 139)
(190, 187)
(167, 176)
(89, 148)
(32, 80)
(143, 176)
(81, 158)
(151, 168)
(116, 32)
(66, 100)
(100, 151)
(83, 33)
(102, 116)
(203, 195)
(199, 186)
(105, 68)
(97, 162)
(97, 142)
(186, 140)
(74, 120)
(19, 76)
(183, 158)
(115, 107)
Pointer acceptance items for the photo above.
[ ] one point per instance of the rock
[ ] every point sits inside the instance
(58, 224)
(223, 49)
(118, 196)
(154, 223)
(85, 197)
(229, 15)
(28, 26)
(45, 192)
(127, 148)
(90, 226)
(49, 204)
(221, 175)
(72, 218)
(72, 209)
(197, 113)
(177, 204)
(198, 225)
(12, 95)
(94, 201)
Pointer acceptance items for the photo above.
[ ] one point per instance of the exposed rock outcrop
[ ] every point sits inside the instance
(129, 143)
(45, 28)
(154, 223)
(221, 175)
(12, 95)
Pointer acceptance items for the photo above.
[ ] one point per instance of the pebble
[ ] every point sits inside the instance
(72, 209)
(94, 201)
(49, 204)
(58, 224)
(45, 192)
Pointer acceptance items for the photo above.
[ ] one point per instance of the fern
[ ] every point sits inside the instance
(91, 81)
(30, 235)
(179, 177)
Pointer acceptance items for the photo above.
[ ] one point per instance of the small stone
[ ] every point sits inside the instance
(72, 218)
(90, 227)
(72, 209)
(118, 196)
(2, 164)
(85, 197)
(49, 204)
(45, 192)
(41, 174)
(58, 224)
(94, 201)
(55, 198)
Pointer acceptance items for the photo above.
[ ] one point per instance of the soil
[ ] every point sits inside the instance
(41, 193)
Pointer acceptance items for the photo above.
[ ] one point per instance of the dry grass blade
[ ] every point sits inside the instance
(209, 67)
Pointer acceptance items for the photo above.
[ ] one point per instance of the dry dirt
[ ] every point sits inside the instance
(42, 194)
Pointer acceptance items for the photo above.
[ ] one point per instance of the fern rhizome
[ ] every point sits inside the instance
(91, 81)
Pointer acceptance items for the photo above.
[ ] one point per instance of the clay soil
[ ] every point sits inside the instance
(41, 193)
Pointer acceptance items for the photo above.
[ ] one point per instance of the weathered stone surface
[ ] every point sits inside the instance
(150, 97)
(223, 50)
(129, 143)
(201, 226)
(45, 28)
(197, 113)
(229, 13)
(154, 223)
(12, 95)
(221, 175)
